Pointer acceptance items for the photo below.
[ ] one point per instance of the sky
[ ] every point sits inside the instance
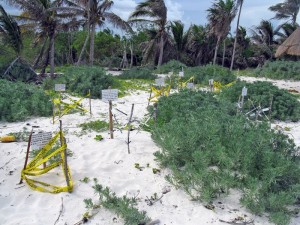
(195, 11)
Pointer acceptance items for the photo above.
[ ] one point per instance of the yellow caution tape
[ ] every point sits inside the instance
(33, 168)
(218, 86)
(63, 108)
(184, 84)
(164, 91)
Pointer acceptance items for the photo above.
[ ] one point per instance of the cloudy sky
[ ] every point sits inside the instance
(195, 11)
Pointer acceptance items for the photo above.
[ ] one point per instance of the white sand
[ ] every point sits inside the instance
(109, 162)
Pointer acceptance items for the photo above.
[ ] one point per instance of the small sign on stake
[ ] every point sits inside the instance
(60, 87)
(244, 91)
(211, 82)
(110, 95)
(160, 81)
(40, 139)
(181, 74)
(190, 85)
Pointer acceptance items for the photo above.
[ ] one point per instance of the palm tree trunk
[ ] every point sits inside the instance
(161, 50)
(236, 35)
(38, 58)
(131, 54)
(92, 44)
(52, 55)
(216, 50)
(224, 51)
(83, 48)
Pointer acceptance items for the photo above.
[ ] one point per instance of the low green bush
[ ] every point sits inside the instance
(285, 106)
(138, 73)
(280, 70)
(171, 66)
(19, 71)
(19, 101)
(96, 125)
(123, 206)
(203, 74)
(211, 149)
(80, 80)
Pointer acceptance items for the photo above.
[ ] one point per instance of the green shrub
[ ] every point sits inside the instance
(138, 73)
(203, 74)
(18, 101)
(19, 71)
(171, 66)
(97, 126)
(122, 206)
(285, 106)
(80, 79)
(280, 70)
(211, 149)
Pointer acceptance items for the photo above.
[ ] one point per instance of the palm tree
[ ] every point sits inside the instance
(220, 16)
(286, 30)
(289, 9)
(199, 44)
(154, 12)
(179, 37)
(240, 3)
(264, 37)
(43, 16)
(96, 13)
(10, 32)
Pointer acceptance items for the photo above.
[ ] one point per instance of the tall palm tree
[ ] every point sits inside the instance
(96, 13)
(240, 3)
(289, 9)
(286, 30)
(154, 12)
(220, 16)
(43, 16)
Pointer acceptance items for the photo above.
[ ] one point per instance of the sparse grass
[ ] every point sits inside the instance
(97, 125)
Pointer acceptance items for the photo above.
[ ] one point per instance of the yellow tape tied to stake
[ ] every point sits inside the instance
(165, 91)
(33, 168)
(57, 102)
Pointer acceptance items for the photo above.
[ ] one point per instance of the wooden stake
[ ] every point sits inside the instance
(270, 107)
(155, 112)
(111, 124)
(62, 142)
(128, 124)
(90, 102)
(27, 153)
(150, 96)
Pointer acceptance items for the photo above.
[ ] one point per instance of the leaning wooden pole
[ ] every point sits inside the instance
(65, 165)
(27, 153)
(111, 124)
(129, 124)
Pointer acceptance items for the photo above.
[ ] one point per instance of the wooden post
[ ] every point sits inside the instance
(111, 124)
(270, 108)
(128, 124)
(27, 153)
(53, 107)
(150, 96)
(62, 142)
(90, 102)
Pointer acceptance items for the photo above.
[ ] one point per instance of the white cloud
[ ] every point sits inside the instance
(123, 8)
(175, 11)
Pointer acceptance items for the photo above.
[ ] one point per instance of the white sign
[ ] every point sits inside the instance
(160, 81)
(40, 139)
(244, 91)
(170, 73)
(211, 82)
(110, 94)
(181, 74)
(60, 87)
(190, 85)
